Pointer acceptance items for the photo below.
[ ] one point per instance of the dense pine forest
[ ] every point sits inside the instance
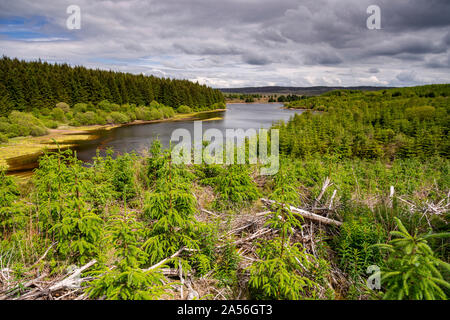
(28, 85)
(37, 96)
(362, 191)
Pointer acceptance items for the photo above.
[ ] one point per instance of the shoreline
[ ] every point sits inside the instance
(20, 154)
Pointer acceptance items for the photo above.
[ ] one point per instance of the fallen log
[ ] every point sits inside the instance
(12, 291)
(176, 254)
(306, 214)
(73, 281)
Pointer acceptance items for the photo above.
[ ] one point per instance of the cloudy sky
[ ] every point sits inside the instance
(235, 43)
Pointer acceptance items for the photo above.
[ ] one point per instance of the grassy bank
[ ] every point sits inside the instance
(20, 153)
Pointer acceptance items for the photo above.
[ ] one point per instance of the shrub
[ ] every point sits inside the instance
(131, 115)
(45, 111)
(282, 277)
(123, 176)
(14, 130)
(80, 107)
(49, 123)
(3, 138)
(9, 193)
(184, 109)
(58, 115)
(5, 127)
(234, 186)
(411, 270)
(105, 105)
(154, 104)
(167, 112)
(143, 113)
(37, 131)
(63, 106)
(26, 124)
(156, 114)
(115, 107)
(100, 117)
(128, 281)
(88, 118)
(91, 117)
(219, 105)
(355, 246)
(421, 113)
(117, 117)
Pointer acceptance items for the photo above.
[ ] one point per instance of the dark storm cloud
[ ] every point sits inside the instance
(322, 57)
(205, 49)
(240, 43)
(407, 15)
(255, 59)
(439, 62)
(409, 46)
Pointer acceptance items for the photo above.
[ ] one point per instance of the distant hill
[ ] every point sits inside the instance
(296, 90)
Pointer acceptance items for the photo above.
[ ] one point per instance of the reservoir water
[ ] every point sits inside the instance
(139, 137)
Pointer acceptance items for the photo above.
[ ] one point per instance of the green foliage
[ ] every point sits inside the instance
(87, 118)
(156, 114)
(412, 270)
(170, 208)
(66, 193)
(143, 113)
(285, 271)
(420, 113)
(63, 106)
(51, 124)
(76, 228)
(105, 105)
(364, 142)
(154, 104)
(184, 109)
(11, 213)
(226, 264)
(117, 117)
(24, 124)
(354, 246)
(127, 281)
(58, 114)
(106, 97)
(80, 107)
(286, 277)
(8, 190)
(167, 112)
(371, 126)
(123, 176)
(233, 185)
(79, 231)
(3, 138)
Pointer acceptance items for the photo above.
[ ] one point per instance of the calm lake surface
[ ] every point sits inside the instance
(139, 137)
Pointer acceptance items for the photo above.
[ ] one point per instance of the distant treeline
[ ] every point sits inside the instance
(308, 91)
(395, 123)
(25, 86)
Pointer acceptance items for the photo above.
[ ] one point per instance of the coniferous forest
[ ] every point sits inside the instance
(358, 209)
(37, 96)
(28, 85)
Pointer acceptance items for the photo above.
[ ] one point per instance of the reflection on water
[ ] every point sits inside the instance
(139, 137)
